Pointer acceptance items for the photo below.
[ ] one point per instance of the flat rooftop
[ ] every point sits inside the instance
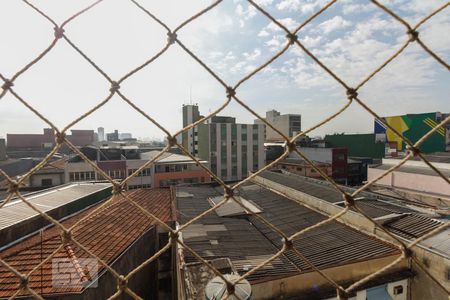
(17, 211)
(414, 169)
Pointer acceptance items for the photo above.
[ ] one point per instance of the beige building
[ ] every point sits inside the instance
(288, 124)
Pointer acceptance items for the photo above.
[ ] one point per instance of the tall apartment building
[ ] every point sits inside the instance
(189, 140)
(2, 149)
(288, 124)
(232, 149)
(100, 134)
(113, 136)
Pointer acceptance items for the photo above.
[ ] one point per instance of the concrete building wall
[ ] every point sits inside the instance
(305, 170)
(422, 286)
(411, 181)
(144, 180)
(285, 287)
(337, 157)
(191, 176)
(249, 148)
(76, 167)
(239, 152)
(261, 148)
(318, 154)
(38, 180)
(2, 149)
(284, 123)
(191, 114)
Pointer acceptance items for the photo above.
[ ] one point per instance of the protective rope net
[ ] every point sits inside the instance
(231, 94)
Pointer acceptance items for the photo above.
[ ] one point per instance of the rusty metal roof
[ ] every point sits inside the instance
(247, 241)
(105, 234)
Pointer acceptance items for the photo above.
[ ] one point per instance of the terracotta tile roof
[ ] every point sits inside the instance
(106, 234)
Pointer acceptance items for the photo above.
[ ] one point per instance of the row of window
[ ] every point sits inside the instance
(170, 168)
(81, 176)
(139, 186)
(116, 174)
(144, 172)
(169, 182)
(90, 175)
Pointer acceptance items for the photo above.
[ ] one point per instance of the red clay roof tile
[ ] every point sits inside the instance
(107, 233)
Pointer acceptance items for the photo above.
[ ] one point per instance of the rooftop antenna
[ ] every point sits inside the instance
(190, 94)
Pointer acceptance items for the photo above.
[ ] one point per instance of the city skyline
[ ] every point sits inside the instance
(352, 38)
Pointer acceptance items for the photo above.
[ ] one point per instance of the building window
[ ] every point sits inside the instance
(339, 156)
(46, 182)
(234, 171)
(398, 290)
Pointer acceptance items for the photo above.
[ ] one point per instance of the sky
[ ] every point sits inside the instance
(352, 38)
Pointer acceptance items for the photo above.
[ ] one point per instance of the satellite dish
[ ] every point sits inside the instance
(217, 288)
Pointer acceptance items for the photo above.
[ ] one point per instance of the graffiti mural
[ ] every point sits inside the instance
(412, 127)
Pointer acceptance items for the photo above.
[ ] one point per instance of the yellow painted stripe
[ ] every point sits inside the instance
(435, 124)
(430, 124)
(441, 130)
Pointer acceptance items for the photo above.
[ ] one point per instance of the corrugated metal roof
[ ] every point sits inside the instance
(329, 245)
(105, 234)
(248, 241)
(220, 237)
(321, 191)
(17, 211)
(411, 225)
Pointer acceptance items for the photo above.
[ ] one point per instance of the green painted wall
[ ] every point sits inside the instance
(361, 145)
(414, 126)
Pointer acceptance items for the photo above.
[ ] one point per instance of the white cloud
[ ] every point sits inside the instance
(252, 56)
(304, 6)
(336, 23)
(245, 14)
(263, 33)
(311, 42)
(358, 8)
(289, 23)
